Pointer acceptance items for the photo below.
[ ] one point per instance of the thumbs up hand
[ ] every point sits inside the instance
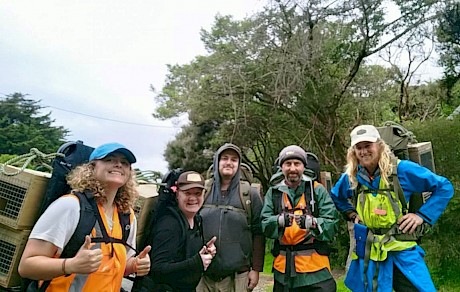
(86, 261)
(141, 263)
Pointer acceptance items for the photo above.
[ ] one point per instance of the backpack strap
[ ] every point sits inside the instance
(207, 188)
(85, 224)
(247, 191)
(397, 185)
(245, 197)
(124, 222)
(309, 194)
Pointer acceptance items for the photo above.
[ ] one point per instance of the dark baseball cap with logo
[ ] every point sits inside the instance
(189, 180)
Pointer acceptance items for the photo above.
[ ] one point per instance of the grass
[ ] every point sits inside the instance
(268, 263)
(444, 287)
(341, 286)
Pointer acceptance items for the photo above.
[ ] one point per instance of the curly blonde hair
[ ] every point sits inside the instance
(82, 178)
(385, 165)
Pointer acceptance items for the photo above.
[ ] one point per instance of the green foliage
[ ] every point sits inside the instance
(192, 148)
(443, 257)
(22, 127)
(268, 262)
(294, 73)
(338, 259)
(147, 176)
(445, 139)
(5, 157)
(448, 36)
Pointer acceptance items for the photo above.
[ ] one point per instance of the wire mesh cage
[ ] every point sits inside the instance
(12, 243)
(422, 153)
(21, 196)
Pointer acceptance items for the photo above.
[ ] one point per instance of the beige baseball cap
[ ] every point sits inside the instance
(362, 133)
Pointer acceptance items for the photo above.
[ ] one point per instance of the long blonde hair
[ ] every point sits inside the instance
(385, 165)
(82, 178)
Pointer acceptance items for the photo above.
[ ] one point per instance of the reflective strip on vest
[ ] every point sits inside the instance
(110, 273)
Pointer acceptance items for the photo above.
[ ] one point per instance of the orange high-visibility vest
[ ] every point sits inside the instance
(307, 260)
(110, 273)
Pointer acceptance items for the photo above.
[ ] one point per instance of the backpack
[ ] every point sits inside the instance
(166, 195)
(397, 137)
(248, 187)
(76, 153)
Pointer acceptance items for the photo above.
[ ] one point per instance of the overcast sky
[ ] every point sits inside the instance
(92, 63)
(99, 58)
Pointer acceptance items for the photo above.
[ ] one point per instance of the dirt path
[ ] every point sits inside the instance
(266, 280)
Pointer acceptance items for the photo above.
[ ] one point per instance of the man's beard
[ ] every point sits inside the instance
(293, 179)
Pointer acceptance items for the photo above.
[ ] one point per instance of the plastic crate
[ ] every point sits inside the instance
(21, 197)
(12, 243)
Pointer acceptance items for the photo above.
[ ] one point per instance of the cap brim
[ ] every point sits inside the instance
(129, 155)
(364, 139)
(190, 186)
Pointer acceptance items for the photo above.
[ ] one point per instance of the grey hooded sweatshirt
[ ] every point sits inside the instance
(225, 217)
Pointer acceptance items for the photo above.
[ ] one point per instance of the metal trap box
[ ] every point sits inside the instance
(326, 180)
(21, 197)
(422, 153)
(148, 196)
(12, 243)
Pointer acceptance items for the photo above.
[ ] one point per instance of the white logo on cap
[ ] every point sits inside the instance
(193, 177)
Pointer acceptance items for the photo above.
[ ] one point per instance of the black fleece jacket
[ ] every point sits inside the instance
(175, 261)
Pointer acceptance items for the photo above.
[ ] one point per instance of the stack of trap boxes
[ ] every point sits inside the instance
(148, 196)
(21, 196)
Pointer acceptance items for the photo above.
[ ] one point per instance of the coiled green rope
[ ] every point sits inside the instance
(34, 155)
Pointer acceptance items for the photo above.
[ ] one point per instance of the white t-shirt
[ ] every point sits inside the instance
(58, 223)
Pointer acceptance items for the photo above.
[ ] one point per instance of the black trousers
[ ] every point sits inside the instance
(325, 286)
(401, 283)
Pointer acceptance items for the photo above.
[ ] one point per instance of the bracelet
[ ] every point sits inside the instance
(63, 266)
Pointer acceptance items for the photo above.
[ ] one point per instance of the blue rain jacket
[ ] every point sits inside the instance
(414, 179)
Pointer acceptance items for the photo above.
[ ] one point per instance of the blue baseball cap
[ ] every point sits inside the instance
(108, 148)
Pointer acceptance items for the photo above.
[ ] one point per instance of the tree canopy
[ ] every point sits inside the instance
(448, 34)
(22, 127)
(295, 73)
